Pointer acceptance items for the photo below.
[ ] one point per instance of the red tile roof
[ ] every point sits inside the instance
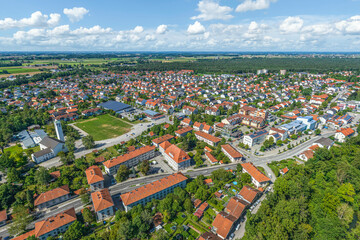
(3, 215)
(102, 199)
(177, 154)
(236, 207)
(152, 188)
(25, 235)
(231, 151)
(126, 157)
(52, 194)
(184, 130)
(208, 136)
(255, 173)
(94, 175)
(55, 222)
(249, 193)
(223, 223)
(164, 138)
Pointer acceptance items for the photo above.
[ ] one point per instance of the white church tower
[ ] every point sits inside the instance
(59, 131)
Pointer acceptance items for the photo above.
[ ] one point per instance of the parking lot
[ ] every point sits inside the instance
(160, 166)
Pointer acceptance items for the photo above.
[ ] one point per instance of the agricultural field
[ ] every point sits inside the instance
(104, 127)
(15, 70)
(72, 62)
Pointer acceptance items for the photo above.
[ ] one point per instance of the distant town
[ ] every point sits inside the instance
(90, 152)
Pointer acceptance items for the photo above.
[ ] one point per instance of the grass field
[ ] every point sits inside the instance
(85, 61)
(104, 127)
(14, 70)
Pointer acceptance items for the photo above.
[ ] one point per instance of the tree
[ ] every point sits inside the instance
(162, 235)
(317, 131)
(279, 143)
(88, 142)
(202, 194)
(42, 176)
(85, 197)
(122, 173)
(75, 231)
(21, 218)
(70, 144)
(144, 167)
(188, 205)
(88, 216)
(13, 175)
(239, 168)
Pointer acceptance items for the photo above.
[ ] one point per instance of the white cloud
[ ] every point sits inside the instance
(349, 26)
(291, 25)
(196, 28)
(252, 5)
(138, 29)
(212, 10)
(161, 29)
(75, 14)
(149, 37)
(37, 19)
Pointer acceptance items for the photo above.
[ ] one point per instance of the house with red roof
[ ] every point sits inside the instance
(94, 178)
(52, 197)
(103, 204)
(343, 134)
(177, 158)
(249, 194)
(233, 154)
(258, 178)
(155, 190)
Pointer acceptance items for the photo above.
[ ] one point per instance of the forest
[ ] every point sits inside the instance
(318, 200)
(246, 65)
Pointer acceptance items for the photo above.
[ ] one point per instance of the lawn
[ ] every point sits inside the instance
(104, 127)
(277, 166)
(19, 70)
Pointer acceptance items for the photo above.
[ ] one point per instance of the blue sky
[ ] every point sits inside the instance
(180, 25)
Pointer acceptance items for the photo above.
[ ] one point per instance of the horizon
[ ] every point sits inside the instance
(185, 26)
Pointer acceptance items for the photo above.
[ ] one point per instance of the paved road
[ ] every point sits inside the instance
(136, 130)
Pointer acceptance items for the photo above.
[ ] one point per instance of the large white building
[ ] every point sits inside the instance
(176, 157)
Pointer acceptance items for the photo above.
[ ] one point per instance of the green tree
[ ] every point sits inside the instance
(188, 205)
(21, 218)
(317, 131)
(144, 167)
(88, 141)
(202, 194)
(42, 176)
(88, 216)
(70, 144)
(122, 173)
(75, 231)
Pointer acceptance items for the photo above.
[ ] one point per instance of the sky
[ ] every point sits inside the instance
(180, 25)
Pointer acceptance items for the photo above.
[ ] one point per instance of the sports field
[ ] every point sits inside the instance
(104, 127)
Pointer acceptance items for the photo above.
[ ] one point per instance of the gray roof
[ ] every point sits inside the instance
(42, 152)
(50, 142)
(326, 142)
(115, 106)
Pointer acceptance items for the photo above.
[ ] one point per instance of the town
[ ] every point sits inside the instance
(161, 154)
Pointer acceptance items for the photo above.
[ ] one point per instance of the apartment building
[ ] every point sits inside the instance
(52, 197)
(103, 204)
(255, 138)
(94, 178)
(233, 154)
(129, 159)
(177, 158)
(258, 178)
(155, 190)
(209, 139)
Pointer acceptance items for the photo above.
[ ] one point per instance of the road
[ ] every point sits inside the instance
(132, 184)
(136, 130)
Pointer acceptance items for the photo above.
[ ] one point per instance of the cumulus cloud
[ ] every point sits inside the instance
(210, 10)
(138, 29)
(75, 14)
(37, 19)
(291, 25)
(196, 28)
(161, 29)
(252, 5)
(349, 26)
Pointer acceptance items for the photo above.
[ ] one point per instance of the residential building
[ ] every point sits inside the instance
(186, 122)
(159, 140)
(209, 236)
(209, 139)
(198, 126)
(255, 138)
(210, 158)
(51, 227)
(177, 158)
(182, 132)
(155, 190)
(249, 194)
(52, 197)
(236, 207)
(227, 130)
(103, 204)
(343, 134)
(95, 178)
(258, 178)
(233, 154)
(129, 159)
(223, 224)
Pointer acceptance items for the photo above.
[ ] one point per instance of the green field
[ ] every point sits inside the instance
(104, 127)
(86, 61)
(13, 70)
